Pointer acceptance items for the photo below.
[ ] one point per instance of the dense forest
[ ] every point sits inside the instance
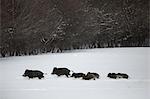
(30, 27)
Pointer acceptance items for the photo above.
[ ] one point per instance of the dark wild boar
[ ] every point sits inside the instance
(78, 75)
(33, 74)
(95, 74)
(89, 77)
(61, 71)
(117, 75)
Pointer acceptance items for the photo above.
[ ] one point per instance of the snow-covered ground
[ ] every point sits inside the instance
(133, 61)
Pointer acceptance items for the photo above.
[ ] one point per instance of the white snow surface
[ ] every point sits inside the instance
(133, 61)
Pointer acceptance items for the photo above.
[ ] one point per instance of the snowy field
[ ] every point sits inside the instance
(133, 61)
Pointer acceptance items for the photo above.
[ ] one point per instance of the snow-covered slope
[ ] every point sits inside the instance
(133, 61)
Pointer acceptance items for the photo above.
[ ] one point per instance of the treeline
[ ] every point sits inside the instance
(29, 27)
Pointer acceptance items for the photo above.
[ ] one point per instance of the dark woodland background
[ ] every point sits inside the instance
(38, 26)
